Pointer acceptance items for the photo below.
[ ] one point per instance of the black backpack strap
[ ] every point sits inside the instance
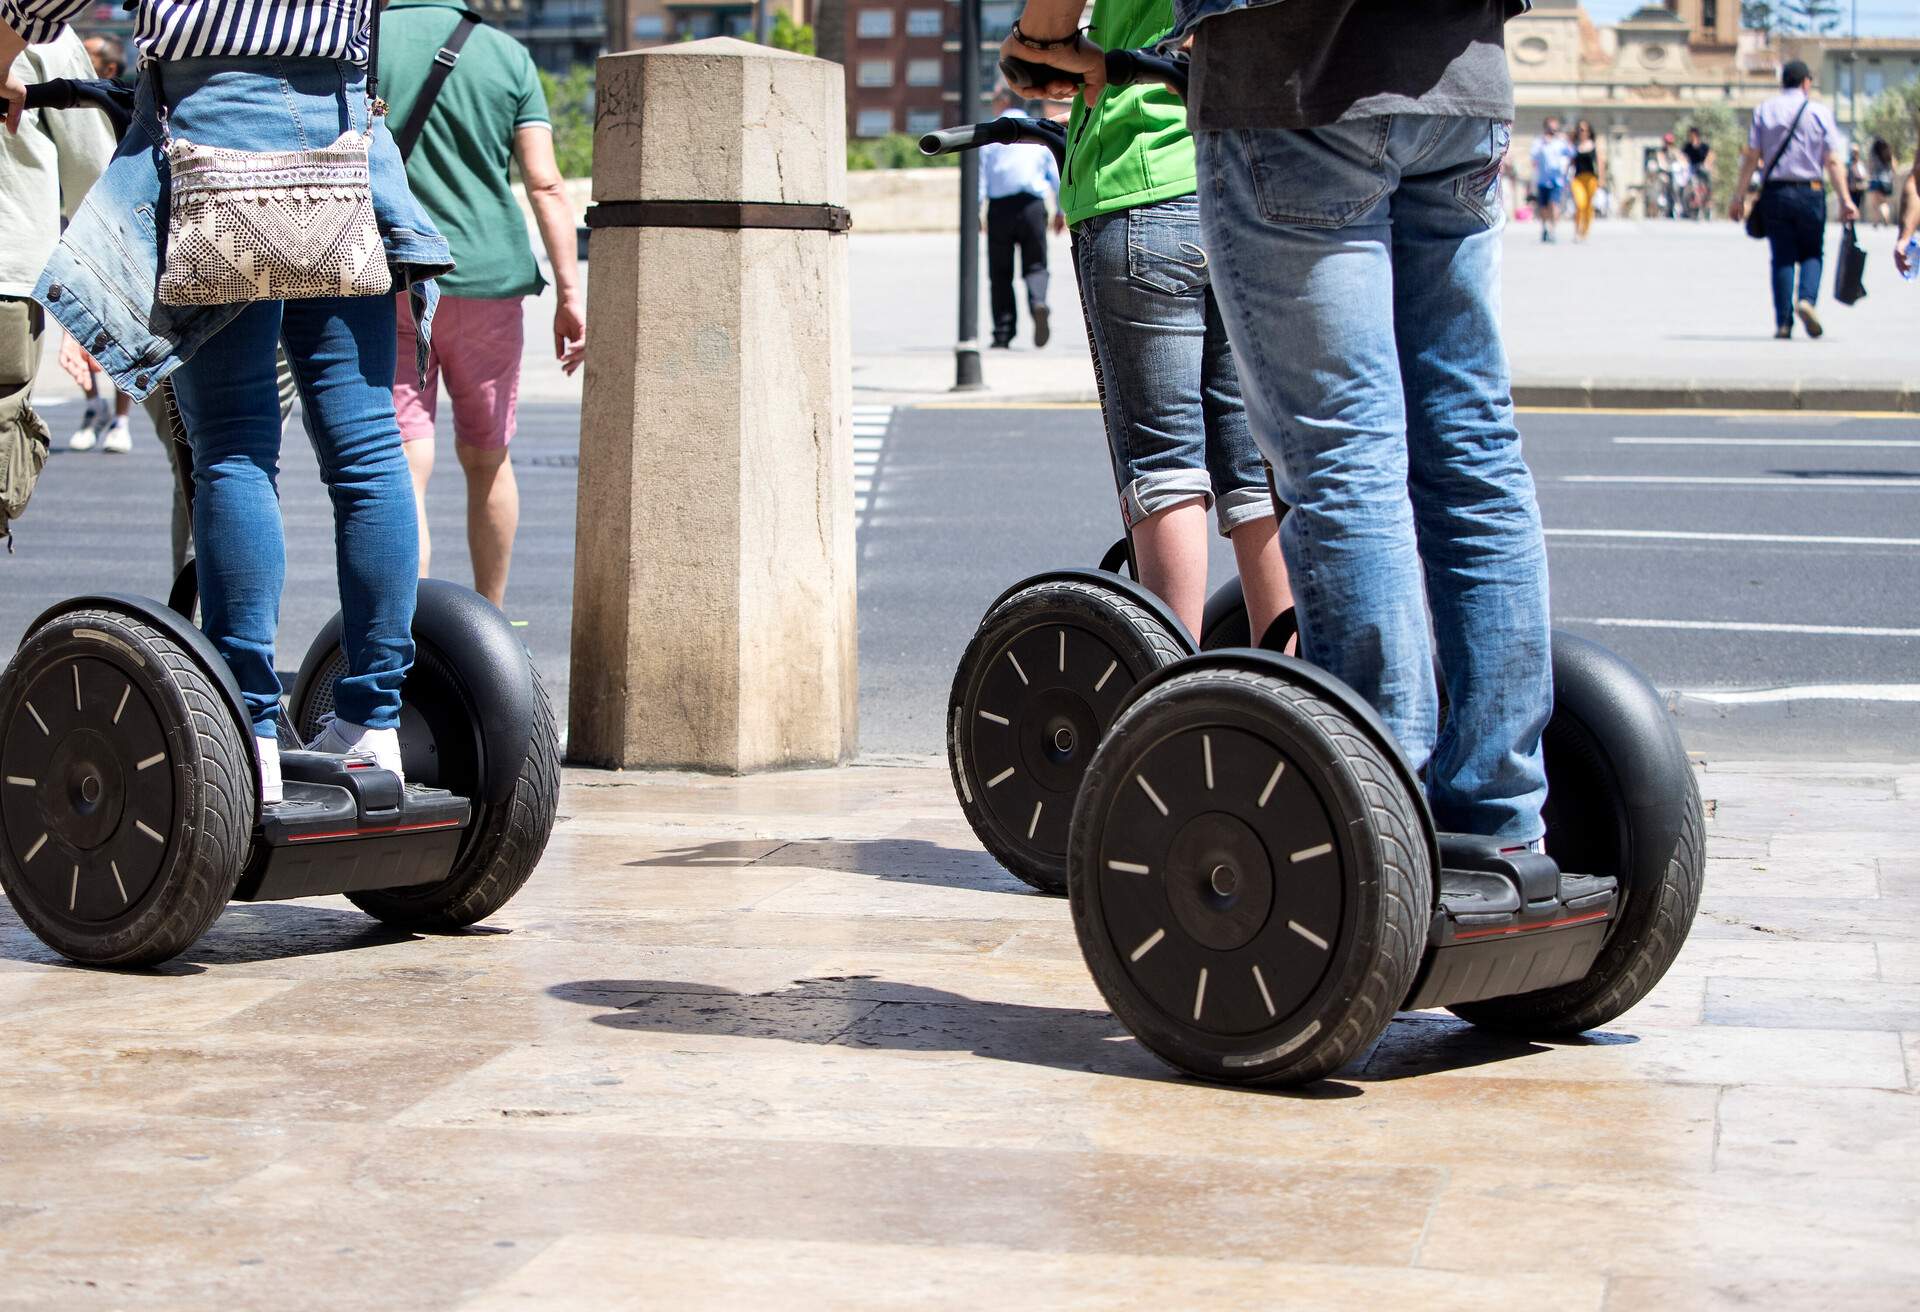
(443, 61)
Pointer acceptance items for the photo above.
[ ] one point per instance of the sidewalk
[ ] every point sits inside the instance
(795, 1041)
(1646, 315)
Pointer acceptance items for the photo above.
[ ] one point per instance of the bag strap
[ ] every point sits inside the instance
(443, 61)
(1805, 100)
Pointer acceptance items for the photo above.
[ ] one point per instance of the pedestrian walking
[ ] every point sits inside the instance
(284, 78)
(1552, 168)
(1020, 182)
(1348, 156)
(1589, 175)
(1857, 176)
(46, 166)
(1800, 145)
(467, 106)
(1880, 171)
(1176, 421)
(1699, 155)
(102, 422)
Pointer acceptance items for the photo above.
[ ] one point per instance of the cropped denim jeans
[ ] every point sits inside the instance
(1358, 267)
(1176, 421)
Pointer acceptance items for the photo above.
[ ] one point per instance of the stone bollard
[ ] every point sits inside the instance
(713, 604)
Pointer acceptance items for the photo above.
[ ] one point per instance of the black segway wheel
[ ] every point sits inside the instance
(1250, 880)
(1045, 674)
(442, 745)
(1622, 800)
(126, 790)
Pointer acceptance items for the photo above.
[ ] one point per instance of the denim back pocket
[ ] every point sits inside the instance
(1318, 177)
(1479, 190)
(1163, 248)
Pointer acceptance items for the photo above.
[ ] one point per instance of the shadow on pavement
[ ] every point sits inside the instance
(899, 860)
(245, 932)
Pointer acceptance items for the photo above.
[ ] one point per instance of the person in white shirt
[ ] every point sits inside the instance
(1020, 182)
(45, 169)
(1552, 170)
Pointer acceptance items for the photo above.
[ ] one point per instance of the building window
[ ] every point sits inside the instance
(997, 18)
(1709, 14)
(876, 73)
(923, 120)
(923, 72)
(925, 22)
(1875, 81)
(873, 123)
(649, 27)
(876, 22)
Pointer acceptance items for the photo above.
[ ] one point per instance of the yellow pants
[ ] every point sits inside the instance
(1584, 185)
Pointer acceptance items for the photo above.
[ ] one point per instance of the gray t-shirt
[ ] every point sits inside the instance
(1308, 63)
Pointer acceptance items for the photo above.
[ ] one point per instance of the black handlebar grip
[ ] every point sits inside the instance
(1125, 68)
(948, 140)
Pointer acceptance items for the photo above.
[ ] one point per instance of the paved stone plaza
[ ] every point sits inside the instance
(795, 1040)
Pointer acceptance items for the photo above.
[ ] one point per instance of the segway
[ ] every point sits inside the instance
(129, 786)
(1257, 884)
(1056, 654)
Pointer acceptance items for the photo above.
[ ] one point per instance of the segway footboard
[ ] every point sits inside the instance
(1509, 923)
(343, 829)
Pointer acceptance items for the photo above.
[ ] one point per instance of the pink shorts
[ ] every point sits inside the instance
(476, 350)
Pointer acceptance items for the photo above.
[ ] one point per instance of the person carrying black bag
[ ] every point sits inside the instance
(1804, 152)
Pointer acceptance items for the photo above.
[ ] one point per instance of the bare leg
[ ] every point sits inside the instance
(493, 515)
(1171, 546)
(420, 464)
(1263, 573)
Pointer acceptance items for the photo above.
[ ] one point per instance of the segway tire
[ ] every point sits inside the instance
(1250, 878)
(1020, 734)
(503, 844)
(109, 860)
(1653, 928)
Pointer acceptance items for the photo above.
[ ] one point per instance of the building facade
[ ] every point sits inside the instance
(902, 61)
(1851, 73)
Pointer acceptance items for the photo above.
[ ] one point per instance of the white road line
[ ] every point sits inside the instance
(1683, 535)
(1742, 626)
(870, 425)
(1147, 946)
(1901, 443)
(1738, 480)
(1808, 692)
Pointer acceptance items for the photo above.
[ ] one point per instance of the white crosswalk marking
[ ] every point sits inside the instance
(870, 424)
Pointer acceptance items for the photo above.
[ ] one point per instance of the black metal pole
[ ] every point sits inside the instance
(966, 352)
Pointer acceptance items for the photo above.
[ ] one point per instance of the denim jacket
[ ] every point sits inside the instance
(1188, 13)
(100, 282)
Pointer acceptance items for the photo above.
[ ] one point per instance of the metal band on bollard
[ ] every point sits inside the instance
(729, 214)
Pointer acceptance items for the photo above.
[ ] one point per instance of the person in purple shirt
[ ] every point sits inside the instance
(1793, 202)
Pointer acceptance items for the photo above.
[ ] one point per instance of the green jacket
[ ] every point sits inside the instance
(1137, 149)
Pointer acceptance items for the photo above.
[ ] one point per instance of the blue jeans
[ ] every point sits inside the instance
(1796, 219)
(1358, 270)
(1171, 399)
(342, 353)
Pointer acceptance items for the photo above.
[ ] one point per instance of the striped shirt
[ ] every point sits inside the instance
(186, 29)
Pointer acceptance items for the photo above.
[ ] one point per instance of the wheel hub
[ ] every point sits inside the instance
(84, 792)
(1219, 881)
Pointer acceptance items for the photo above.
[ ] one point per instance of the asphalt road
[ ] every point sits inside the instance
(1722, 554)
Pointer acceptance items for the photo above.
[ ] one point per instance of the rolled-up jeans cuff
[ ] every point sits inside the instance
(1150, 494)
(1243, 505)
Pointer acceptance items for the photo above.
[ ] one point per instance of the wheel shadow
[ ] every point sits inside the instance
(896, 860)
(245, 932)
(868, 1012)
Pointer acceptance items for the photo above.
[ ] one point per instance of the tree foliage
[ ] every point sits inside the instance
(896, 150)
(570, 106)
(1813, 16)
(789, 35)
(1894, 116)
(1721, 128)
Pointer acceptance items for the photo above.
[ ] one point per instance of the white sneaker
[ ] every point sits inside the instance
(271, 789)
(118, 439)
(84, 436)
(356, 742)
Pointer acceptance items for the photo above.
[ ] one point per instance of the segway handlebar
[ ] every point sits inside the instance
(997, 132)
(1125, 68)
(115, 99)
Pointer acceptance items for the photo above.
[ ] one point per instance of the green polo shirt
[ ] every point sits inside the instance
(1137, 149)
(458, 168)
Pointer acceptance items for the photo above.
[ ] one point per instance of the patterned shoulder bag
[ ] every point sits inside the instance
(247, 225)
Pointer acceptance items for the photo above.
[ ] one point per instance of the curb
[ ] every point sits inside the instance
(1591, 395)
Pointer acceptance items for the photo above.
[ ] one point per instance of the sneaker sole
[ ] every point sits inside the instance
(1809, 320)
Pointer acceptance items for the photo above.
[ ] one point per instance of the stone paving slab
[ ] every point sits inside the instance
(795, 1041)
